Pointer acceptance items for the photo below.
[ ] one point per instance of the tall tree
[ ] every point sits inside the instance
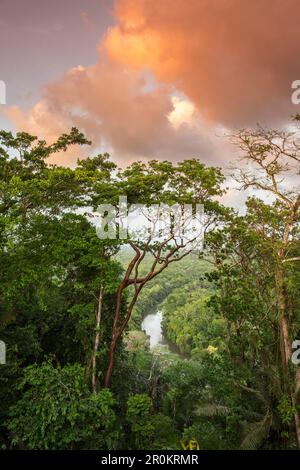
(189, 182)
(273, 161)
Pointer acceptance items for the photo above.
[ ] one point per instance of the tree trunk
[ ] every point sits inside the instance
(97, 340)
(295, 403)
(286, 349)
(138, 283)
(111, 363)
(118, 330)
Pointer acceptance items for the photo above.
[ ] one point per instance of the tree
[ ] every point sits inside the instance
(57, 411)
(189, 182)
(52, 261)
(273, 161)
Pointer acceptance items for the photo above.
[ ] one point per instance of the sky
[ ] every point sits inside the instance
(146, 79)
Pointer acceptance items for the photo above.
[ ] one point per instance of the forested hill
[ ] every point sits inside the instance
(78, 372)
(182, 292)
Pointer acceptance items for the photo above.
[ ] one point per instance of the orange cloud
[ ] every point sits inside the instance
(234, 59)
(170, 73)
(122, 111)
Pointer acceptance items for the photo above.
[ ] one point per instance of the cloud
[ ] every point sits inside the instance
(234, 60)
(119, 109)
(172, 75)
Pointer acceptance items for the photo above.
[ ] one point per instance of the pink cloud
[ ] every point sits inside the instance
(231, 62)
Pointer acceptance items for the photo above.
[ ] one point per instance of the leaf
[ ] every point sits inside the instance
(257, 433)
(212, 410)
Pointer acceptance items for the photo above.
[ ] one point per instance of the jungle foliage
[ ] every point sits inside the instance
(230, 313)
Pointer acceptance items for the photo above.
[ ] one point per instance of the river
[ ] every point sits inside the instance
(152, 325)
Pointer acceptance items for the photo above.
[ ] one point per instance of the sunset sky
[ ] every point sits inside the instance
(149, 79)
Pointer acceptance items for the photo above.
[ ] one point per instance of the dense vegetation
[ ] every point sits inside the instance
(70, 303)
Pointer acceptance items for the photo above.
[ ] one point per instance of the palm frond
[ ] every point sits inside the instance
(257, 433)
(212, 409)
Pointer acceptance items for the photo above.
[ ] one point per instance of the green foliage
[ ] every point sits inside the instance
(139, 408)
(154, 431)
(285, 410)
(224, 384)
(257, 433)
(57, 411)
